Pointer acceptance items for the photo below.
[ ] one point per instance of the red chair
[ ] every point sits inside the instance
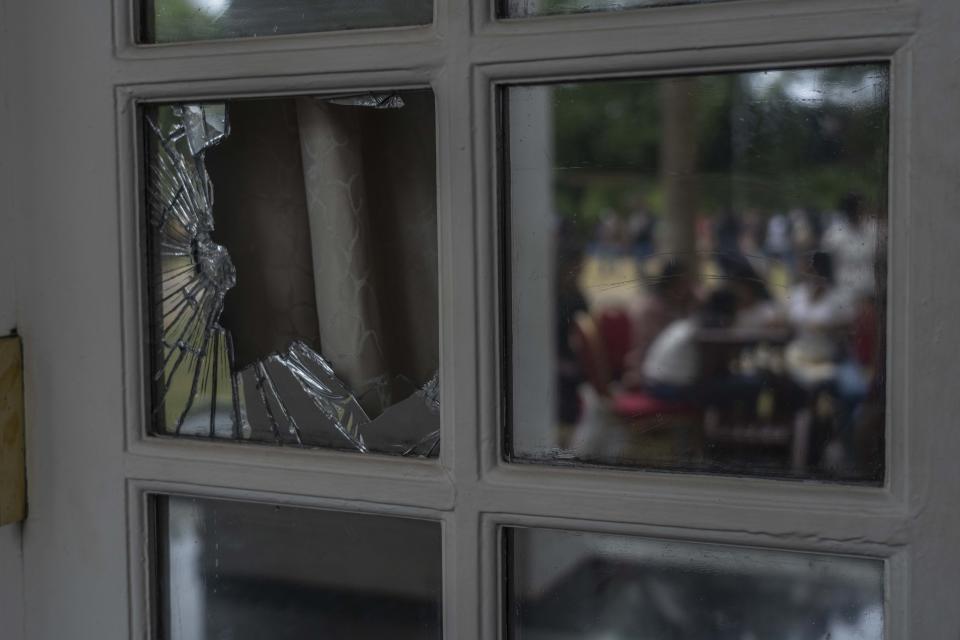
(615, 329)
(650, 428)
(601, 346)
(639, 405)
(587, 343)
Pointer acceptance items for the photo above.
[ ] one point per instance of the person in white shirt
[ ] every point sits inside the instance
(756, 308)
(852, 241)
(818, 357)
(820, 313)
(778, 242)
(674, 369)
(673, 358)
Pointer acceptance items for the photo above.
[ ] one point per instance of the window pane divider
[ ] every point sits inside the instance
(280, 71)
(345, 476)
(786, 522)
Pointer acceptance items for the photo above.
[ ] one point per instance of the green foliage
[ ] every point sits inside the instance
(181, 20)
(764, 141)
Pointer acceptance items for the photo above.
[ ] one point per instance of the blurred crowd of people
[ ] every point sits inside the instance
(770, 317)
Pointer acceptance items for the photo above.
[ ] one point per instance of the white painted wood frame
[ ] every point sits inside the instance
(72, 140)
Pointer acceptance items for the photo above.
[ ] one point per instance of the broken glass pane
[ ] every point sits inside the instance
(373, 100)
(299, 305)
(204, 125)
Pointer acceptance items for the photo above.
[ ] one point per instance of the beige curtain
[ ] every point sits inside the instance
(338, 213)
(260, 212)
(370, 192)
(329, 214)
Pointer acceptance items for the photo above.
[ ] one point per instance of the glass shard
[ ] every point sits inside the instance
(226, 368)
(204, 125)
(372, 100)
(195, 275)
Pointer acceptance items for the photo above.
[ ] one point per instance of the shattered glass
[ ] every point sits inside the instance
(204, 125)
(372, 100)
(292, 396)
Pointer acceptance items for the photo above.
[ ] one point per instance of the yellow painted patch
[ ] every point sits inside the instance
(13, 479)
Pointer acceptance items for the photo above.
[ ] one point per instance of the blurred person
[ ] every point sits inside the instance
(703, 233)
(819, 358)
(805, 231)
(608, 246)
(751, 240)
(569, 301)
(852, 240)
(820, 313)
(669, 297)
(676, 369)
(778, 242)
(728, 228)
(756, 308)
(641, 230)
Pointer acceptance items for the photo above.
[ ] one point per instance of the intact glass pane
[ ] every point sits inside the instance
(697, 272)
(564, 584)
(292, 257)
(524, 8)
(251, 571)
(184, 20)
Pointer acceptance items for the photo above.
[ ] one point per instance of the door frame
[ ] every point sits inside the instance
(92, 464)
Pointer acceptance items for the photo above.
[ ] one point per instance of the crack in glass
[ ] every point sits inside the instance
(199, 387)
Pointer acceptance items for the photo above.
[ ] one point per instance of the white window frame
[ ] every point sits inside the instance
(94, 501)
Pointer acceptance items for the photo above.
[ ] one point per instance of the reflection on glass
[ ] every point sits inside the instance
(183, 20)
(699, 263)
(293, 270)
(577, 585)
(251, 571)
(524, 8)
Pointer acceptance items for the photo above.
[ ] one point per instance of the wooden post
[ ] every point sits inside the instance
(678, 164)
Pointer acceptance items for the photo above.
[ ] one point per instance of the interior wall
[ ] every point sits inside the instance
(11, 583)
(11, 557)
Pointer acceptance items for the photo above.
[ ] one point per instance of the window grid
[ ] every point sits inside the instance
(465, 57)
